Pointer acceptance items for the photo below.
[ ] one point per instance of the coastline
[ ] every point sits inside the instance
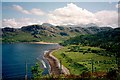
(55, 63)
(43, 43)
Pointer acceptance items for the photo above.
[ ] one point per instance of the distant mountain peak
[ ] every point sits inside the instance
(47, 24)
(91, 24)
(84, 25)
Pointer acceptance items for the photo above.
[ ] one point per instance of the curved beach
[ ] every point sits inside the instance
(43, 42)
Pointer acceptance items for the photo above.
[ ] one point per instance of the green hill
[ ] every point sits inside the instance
(47, 32)
(93, 53)
(108, 40)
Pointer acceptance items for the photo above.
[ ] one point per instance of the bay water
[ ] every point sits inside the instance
(15, 57)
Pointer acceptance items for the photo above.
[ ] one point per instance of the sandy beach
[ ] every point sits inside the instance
(43, 43)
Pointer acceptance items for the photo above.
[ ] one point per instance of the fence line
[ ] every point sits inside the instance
(15, 70)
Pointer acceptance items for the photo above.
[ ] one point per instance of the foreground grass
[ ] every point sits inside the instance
(80, 61)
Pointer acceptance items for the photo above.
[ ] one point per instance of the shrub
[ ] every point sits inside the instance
(36, 71)
(63, 55)
(63, 34)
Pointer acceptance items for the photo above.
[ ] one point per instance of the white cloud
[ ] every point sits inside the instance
(117, 5)
(107, 18)
(34, 11)
(72, 14)
(9, 23)
(19, 8)
(17, 23)
(37, 11)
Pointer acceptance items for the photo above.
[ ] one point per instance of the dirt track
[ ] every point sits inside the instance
(55, 64)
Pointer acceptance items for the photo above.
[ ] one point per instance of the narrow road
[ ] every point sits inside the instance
(55, 64)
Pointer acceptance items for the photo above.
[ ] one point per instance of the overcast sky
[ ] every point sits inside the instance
(18, 14)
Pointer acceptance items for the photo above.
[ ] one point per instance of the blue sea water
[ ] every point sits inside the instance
(15, 56)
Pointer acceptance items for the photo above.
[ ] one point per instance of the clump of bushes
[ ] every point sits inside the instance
(75, 49)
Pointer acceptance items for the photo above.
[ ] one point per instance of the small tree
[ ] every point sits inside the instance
(36, 71)
(89, 49)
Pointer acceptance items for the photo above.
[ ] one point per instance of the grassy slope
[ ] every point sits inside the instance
(36, 33)
(47, 36)
(18, 37)
(85, 60)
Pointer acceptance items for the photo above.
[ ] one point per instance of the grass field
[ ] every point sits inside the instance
(82, 60)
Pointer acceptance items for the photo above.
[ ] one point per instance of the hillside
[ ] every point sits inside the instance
(92, 54)
(108, 40)
(104, 39)
(80, 61)
(47, 32)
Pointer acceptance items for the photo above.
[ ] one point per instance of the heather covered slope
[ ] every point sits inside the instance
(47, 32)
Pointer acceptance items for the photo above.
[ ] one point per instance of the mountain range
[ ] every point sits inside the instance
(48, 32)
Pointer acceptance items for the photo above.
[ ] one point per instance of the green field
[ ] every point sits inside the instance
(83, 58)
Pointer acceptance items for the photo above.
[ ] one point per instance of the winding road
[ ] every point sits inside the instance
(55, 64)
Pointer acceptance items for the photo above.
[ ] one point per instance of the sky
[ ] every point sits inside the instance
(59, 0)
(18, 14)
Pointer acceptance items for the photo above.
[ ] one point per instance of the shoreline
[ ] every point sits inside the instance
(43, 43)
(55, 63)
